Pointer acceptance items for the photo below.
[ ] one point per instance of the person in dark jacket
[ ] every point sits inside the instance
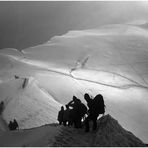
(15, 124)
(60, 115)
(78, 111)
(71, 117)
(94, 106)
(66, 115)
(10, 125)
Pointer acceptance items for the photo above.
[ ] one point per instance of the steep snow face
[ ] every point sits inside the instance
(32, 106)
(111, 60)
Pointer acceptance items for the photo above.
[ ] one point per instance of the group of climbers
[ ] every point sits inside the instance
(13, 125)
(77, 113)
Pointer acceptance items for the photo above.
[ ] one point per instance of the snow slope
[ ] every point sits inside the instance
(109, 133)
(111, 60)
(3, 125)
(31, 106)
(36, 137)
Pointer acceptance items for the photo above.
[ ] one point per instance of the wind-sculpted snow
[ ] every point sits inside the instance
(111, 60)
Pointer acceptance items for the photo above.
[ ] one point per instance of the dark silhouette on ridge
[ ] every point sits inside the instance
(78, 111)
(66, 115)
(96, 106)
(60, 115)
(13, 125)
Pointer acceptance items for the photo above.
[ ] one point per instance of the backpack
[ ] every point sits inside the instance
(98, 104)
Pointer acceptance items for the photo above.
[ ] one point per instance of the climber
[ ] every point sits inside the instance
(66, 115)
(10, 125)
(78, 111)
(96, 106)
(60, 115)
(15, 124)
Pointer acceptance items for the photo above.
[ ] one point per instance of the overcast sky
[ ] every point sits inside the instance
(25, 24)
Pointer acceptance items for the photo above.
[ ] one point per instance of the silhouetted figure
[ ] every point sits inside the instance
(60, 115)
(96, 107)
(78, 111)
(71, 117)
(15, 124)
(66, 116)
(100, 101)
(1, 107)
(10, 125)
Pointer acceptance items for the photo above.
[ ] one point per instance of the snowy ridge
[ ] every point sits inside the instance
(29, 104)
(106, 30)
(109, 133)
(112, 133)
(35, 137)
